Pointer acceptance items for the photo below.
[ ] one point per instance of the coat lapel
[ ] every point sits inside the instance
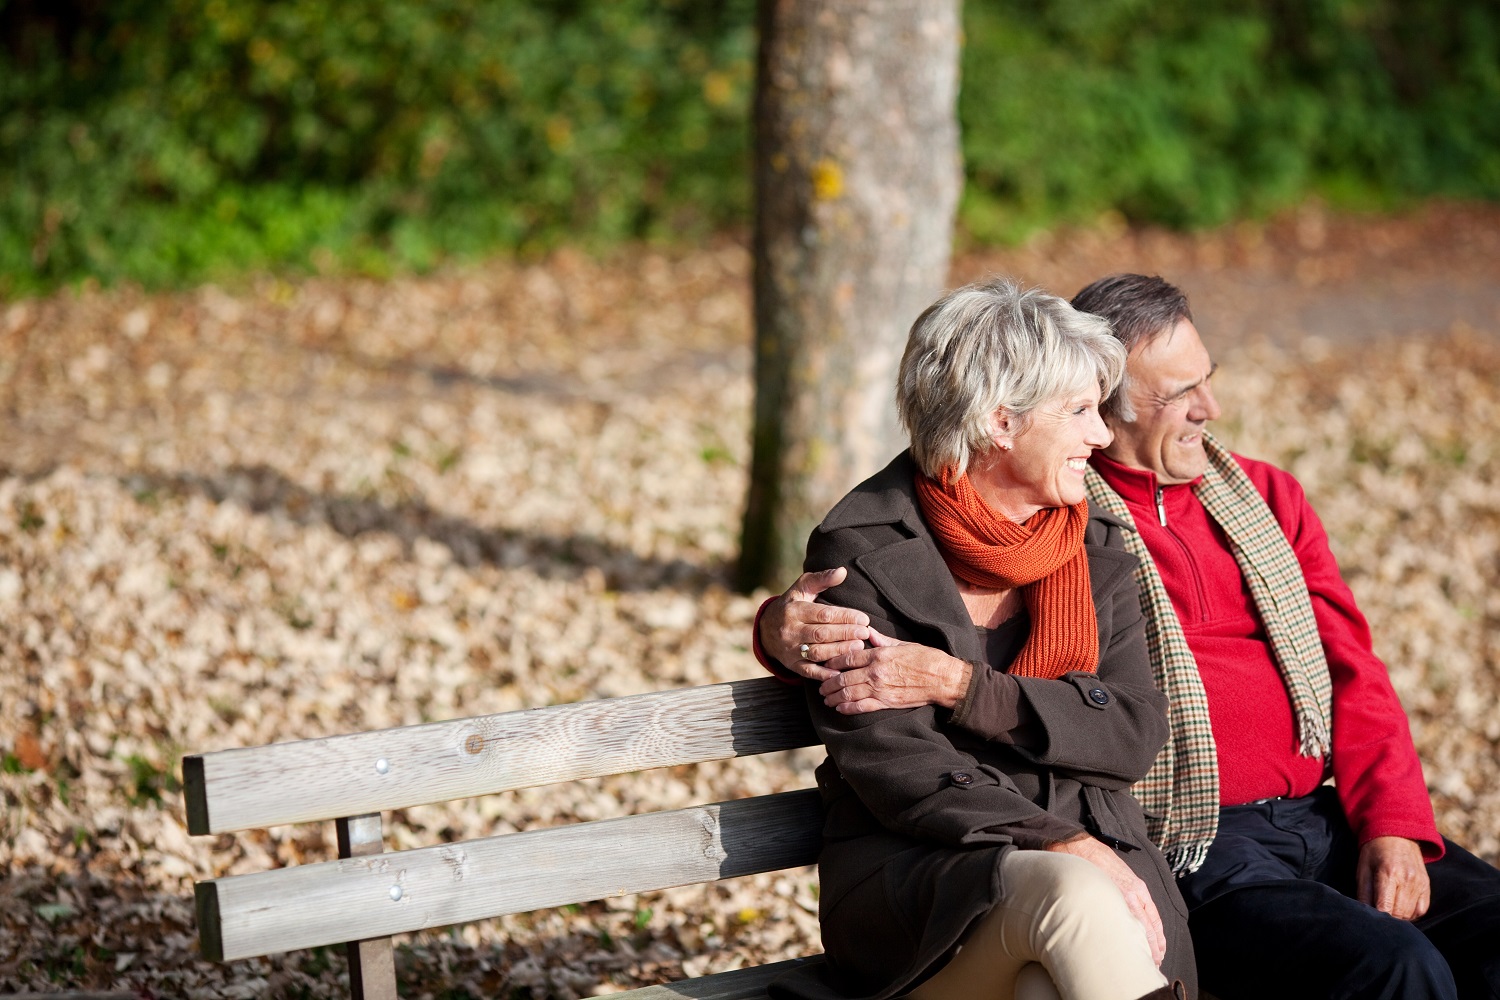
(1105, 569)
(913, 577)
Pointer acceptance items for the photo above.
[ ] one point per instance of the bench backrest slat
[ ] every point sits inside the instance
(355, 898)
(312, 780)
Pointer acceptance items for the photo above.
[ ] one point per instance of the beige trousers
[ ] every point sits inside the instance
(1062, 932)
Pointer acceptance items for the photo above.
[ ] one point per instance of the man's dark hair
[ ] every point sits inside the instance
(1139, 309)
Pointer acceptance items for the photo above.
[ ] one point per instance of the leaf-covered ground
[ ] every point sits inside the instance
(233, 518)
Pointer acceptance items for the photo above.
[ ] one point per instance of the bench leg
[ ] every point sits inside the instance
(372, 965)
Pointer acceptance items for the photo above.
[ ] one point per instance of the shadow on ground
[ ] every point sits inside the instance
(265, 490)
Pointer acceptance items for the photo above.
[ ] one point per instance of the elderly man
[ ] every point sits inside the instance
(1296, 887)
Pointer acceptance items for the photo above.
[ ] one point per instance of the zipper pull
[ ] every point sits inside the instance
(1161, 508)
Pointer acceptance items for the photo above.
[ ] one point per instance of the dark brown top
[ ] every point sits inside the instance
(993, 695)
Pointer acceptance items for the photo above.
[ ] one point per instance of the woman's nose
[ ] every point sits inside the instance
(1100, 435)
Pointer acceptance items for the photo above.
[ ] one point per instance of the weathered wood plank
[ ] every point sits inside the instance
(742, 984)
(361, 773)
(392, 893)
(206, 910)
(372, 962)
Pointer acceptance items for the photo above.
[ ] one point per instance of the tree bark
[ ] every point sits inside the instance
(857, 177)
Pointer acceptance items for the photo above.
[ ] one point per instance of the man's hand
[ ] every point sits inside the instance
(793, 619)
(1137, 896)
(1392, 878)
(894, 674)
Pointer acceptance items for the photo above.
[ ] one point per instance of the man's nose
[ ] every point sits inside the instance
(1205, 406)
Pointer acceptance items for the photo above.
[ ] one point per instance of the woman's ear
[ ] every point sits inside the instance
(1003, 429)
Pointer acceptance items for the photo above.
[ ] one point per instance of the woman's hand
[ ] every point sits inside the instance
(1137, 896)
(794, 620)
(894, 674)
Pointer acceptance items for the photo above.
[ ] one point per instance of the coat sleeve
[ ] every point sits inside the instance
(900, 763)
(1105, 728)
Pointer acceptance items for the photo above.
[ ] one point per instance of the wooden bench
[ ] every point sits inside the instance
(369, 894)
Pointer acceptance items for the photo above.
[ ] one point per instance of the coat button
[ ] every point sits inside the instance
(962, 778)
(1099, 696)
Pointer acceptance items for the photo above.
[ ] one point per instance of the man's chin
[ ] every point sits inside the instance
(1188, 462)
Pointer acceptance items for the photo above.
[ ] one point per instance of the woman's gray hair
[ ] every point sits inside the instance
(990, 345)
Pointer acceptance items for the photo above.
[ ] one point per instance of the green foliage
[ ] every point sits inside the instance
(191, 139)
(148, 782)
(183, 139)
(1192, 114)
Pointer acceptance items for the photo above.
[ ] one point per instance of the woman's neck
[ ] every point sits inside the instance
(1002, 498)
(988, 607)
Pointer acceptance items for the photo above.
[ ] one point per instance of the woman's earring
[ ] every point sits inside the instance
(1005, 446)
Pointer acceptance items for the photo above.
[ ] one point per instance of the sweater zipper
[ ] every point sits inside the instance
(1197, 577)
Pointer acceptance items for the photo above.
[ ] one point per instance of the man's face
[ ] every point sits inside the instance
(1167, 384)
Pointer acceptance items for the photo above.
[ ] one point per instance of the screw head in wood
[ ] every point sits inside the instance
(382, 766)
(395, 893)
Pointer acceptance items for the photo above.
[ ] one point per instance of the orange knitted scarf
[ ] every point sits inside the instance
(1044, 557)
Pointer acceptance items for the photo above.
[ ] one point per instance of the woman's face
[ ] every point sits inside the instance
(1045, 463)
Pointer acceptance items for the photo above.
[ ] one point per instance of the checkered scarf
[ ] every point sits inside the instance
(1181, 793)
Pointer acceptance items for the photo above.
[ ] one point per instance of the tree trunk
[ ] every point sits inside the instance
(857, 176)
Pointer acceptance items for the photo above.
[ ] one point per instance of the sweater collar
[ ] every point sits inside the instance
(1136, 486)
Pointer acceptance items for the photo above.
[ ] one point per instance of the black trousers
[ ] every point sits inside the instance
(1272, 914)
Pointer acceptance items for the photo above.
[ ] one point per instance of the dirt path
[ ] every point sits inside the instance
(1307, 274)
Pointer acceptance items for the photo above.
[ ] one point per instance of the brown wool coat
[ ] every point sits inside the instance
(921, 807)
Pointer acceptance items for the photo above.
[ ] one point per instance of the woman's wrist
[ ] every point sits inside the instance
(1066, 846)
(959, 679)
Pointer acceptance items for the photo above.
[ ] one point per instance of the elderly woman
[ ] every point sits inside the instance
(981, 841)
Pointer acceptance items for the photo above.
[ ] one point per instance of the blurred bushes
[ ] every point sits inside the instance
(1191, 113)
(164, 140)
(183, 139)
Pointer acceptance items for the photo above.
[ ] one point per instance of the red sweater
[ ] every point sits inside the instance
(1375, 765)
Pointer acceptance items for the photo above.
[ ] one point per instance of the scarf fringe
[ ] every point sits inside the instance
(1184, 859)
(1315, 741)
